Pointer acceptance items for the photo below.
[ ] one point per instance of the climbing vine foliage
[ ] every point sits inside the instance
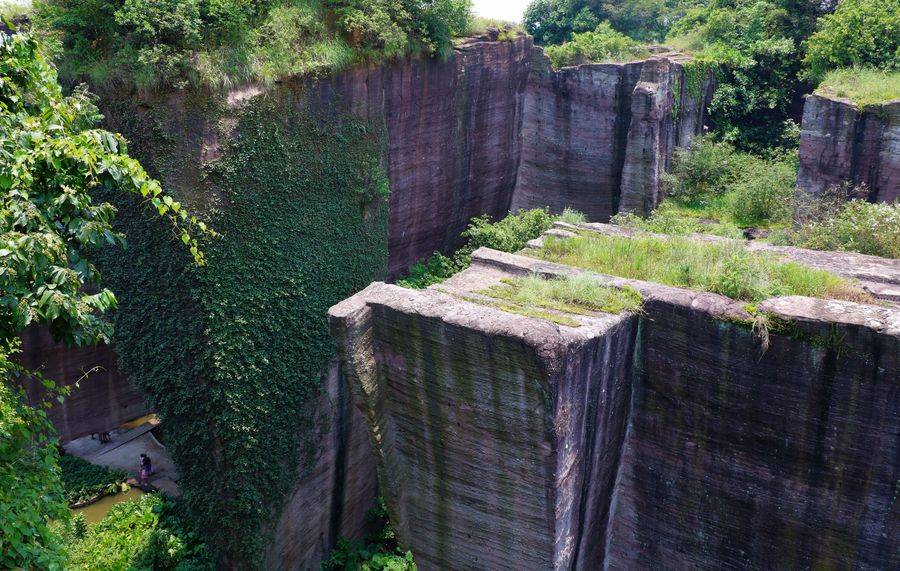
(299, 196)
(52, 165)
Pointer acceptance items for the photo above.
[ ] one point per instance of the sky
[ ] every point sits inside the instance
(510, 10)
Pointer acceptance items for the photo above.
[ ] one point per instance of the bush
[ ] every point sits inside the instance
(147, 533)
(433, 271)
(601, 44)
(715, 181)
(571, 216)
(764, 193)
(83, 481)
(379, 551)
(166, 43)
(859, 33)
(510, 234)
(857, 226)
(707, 168)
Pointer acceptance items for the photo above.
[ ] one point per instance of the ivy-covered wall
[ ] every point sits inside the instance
(232, 355)
(295, 177)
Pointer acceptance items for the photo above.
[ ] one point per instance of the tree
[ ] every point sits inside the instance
(601, 44)
(554, 21)
(859, 33)
(754, 46)
(51, 161)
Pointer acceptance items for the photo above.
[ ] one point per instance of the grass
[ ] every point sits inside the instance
(571, 216)
(579, 295)
(863, 85)
(726, 268)
(679, 220)
(83, 481)
(10, 9)
(528, 312)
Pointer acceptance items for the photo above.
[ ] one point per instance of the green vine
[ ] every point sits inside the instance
(232, 354)
(676, 97)
(696, 71)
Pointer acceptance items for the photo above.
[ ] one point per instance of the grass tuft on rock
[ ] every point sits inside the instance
(864, 86)
(727, 268)
(579, 295)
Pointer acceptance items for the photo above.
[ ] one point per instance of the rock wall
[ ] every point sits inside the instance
(455, 138)
(743, 459)
(668, 440)
(330, 500)
(102, 400)
(458, 408)
(840, 144)
(452, 137)
(597, 137)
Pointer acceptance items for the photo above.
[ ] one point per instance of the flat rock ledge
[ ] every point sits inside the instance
(667, 439)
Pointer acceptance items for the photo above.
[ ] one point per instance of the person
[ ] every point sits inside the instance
(146, 469)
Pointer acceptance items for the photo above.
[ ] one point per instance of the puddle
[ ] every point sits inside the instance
(98, 510)
(151, 418)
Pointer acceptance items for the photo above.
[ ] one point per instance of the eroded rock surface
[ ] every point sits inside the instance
(103, 398)
(596, 137)
(330, 499)
(666, 440)
(840, 144)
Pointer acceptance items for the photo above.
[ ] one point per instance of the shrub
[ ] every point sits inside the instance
(148, 533)
(858, 226)
(764, 193)
(510, 234)
(433, 271)
(571, 216)
(707, 168)
(715, 181)
(601, 44)
(379, 550)
(859, 33)
(83, 481)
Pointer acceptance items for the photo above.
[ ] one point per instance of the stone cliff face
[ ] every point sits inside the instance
(456, 132)
(330, 499)
(841, 144)
(103, 398)
(454, 136)
(669, 439)
(597, 137)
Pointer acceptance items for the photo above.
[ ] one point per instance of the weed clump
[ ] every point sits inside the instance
(510, 234)
(579, 294)
(726, 268)
(853, 226)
